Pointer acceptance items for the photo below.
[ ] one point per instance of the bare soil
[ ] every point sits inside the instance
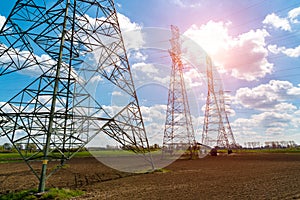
(235, 176)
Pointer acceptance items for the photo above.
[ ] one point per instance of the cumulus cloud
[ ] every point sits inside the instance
(156, 113)
(15, 58)
(267, 126)
(154, 121)
(117, 93)
(294, 14)
(145, 73)
(274, 49)
(244, 55)
(186, 3)
(131, 32)
(137, 56)
(2, 21)
(272, 95)
(290, 52)
(275, 113)
(283, 23)
(119, 5)
(275, 131)
(277, 22)
(154, 73)
(150, 69)
(193, 78)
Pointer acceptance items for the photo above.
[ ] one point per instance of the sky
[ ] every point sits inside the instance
(254, 44)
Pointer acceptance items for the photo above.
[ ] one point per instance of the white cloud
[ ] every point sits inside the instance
(163, 80)
(2, 21)
(117, 93)
(137, 56)
(126, 24)
(290, 52)
(294, 91)
(293, 14)
(278, 116)
(151, 73)
(192, 78)
(283, 23)
(16, 59)
(267, 126)
(145, 73)
(277, 22)
(131, 32)
(149, 69)
(275, 131)
(154, 121)
(274, 49)
(272, 118)
(272, 95)
(244, 55)
(119, 5)
(186, 3)
(285, 107)
(212, 36)
(156, 113)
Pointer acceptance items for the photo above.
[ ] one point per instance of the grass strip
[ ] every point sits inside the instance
(52, 193)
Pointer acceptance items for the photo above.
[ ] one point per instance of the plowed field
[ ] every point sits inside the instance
(235, 176)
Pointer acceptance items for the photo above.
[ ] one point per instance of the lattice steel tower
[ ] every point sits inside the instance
(70, 44)
(179, 132)
(216, 129)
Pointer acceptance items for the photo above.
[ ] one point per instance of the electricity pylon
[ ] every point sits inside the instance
(70, 44)
(179, 132)
(216, 129)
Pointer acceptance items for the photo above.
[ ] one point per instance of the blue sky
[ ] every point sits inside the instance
(255, 45)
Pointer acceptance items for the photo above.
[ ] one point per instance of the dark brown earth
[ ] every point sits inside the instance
(237, 176)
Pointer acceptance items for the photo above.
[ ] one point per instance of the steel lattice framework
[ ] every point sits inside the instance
(70, 43)
(216, 129)
(179, 132)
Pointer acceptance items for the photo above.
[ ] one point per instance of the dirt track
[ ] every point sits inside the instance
(239, 176)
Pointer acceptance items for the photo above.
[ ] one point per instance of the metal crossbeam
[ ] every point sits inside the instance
(69, 43)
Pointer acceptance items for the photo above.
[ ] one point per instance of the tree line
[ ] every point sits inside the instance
(8, 147)
(270, 144)
(31, 147)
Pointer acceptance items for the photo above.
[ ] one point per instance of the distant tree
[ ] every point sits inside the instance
(31, 147)
(19, 146)
(249, 144)
(267, 144)
(154, 147)
(7, 146)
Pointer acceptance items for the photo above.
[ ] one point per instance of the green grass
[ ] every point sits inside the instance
(161, 170)
(53, 193)
(9, 157)
(287, 150)
(111, 153)
(15, 157)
